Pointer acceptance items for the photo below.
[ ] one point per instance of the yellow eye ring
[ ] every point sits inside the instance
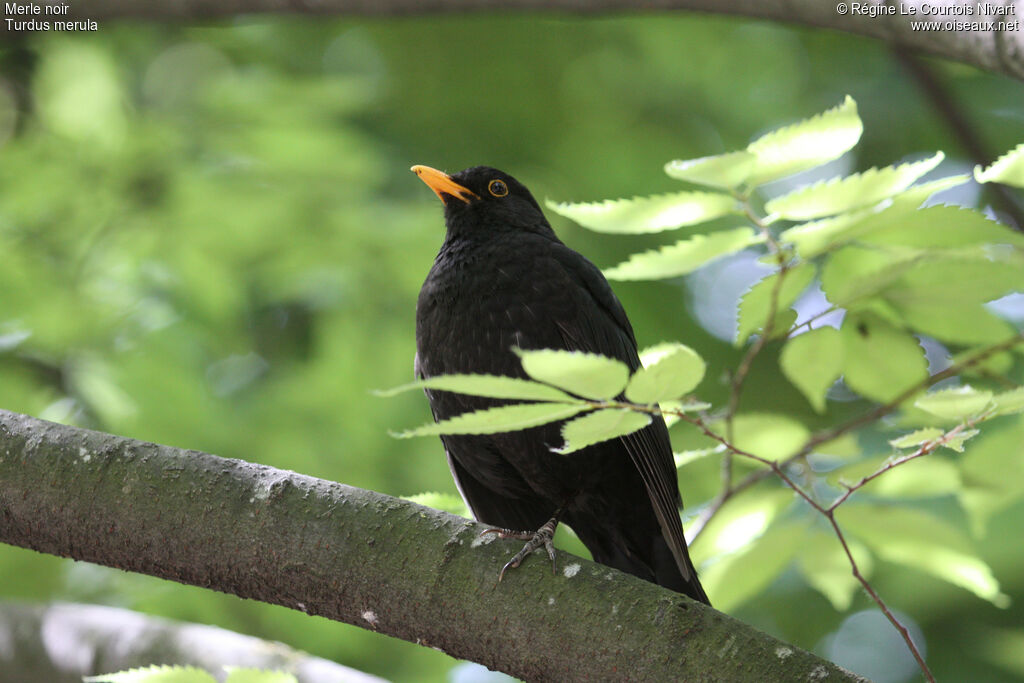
(498, 188)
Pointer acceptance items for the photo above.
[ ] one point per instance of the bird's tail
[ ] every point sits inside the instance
(667, 572)
(640, 550)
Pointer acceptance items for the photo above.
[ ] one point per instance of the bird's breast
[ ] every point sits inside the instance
(475, 307)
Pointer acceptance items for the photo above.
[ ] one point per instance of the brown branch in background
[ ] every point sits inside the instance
(997, 51)
(963, 131)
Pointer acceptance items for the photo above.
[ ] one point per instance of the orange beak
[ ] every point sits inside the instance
(442, 184)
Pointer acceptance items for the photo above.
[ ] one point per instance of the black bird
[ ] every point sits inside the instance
(502, 279)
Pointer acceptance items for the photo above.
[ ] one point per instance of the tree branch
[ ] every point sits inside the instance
(363, 558)
(999, 49)
(97, 640)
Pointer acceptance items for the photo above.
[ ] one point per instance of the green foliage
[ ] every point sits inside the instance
(805, 144)
(441, 501)
(772, 436)
(923, 542)
(958, 403)
(589, 375)
(1008, 169)
(768, 293)
(491, 386)
(840, 195)
(737, 578)
(669, 371)
(209, 240)
(600, 425)
(916, 437)
(825, 566)
(190, 674)
(817, 237)
(813, 361)
(1009, 402)
(903, 277)
(500, 419)
(685, 256)
(155, 674)
(724, 171)
(648, 214)
(880, 360)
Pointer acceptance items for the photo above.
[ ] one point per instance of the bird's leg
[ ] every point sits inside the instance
(544, 536)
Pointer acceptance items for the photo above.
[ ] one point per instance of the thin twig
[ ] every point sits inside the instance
(777, 468)
(924, 449)
(829, 514)
(813, 318)
(743, 369)
(827, 435)
(884, 409)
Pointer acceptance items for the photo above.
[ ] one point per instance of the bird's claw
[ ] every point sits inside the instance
(542, 537)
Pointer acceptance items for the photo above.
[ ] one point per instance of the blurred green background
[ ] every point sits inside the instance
(209, 238)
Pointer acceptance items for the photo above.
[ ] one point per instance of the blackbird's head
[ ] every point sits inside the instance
(482, 200)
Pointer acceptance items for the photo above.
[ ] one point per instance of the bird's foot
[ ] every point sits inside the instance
(534, 539)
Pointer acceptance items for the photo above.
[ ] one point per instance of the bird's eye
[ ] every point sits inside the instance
(498, 188)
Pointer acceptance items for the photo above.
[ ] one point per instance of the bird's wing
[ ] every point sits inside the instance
(605, 329)
(522, 513)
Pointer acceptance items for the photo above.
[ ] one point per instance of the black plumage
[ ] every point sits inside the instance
(502, 279)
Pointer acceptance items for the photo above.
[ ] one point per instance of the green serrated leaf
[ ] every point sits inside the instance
(1007, 169)
(238, 674)
(656, 213)
(956, 442)
(783, 323)
(993, 474)
(600, 425)
(440, 501)
(739, 523)
(683, 458)
(826, 568)
(670, 370)
(844, 447)
(923, 477)
(491, 386)
(806, 144)
(684, 256)
(756, 303)
(941, 227)
(835, 196)
(926, 477)
(854, 274)
(956, 403)
(501, 419)
(771, 436)
(965, 323)
(589, 375)
(155, 674)
(923, 542)
(917, 437)
(1009, 402)
(957, 281)
(732, 580)
(880, 361)
(816, 237)
(725, 171)
(813, 362)
(995, 364)
(681, 406)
